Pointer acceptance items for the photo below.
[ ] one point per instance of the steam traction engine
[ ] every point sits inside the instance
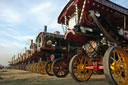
(102, 27)
(45, 50)
(65, 49)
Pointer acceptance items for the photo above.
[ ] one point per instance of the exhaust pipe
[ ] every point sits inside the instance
(31, 41)
(45, 28)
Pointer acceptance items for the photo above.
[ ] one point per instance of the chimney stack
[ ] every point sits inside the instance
(45, 28)
(31, 41)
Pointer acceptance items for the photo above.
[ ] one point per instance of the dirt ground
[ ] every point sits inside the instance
(19, 77)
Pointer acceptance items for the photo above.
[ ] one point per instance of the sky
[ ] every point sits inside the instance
(22, 20)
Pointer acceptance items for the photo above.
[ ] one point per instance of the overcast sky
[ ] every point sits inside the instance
(22, 20)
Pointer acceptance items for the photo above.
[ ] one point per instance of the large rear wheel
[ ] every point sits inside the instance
(60, 67)
(116, 66)
(77, 68)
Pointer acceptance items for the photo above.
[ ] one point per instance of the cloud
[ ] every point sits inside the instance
(10, 44)
(24, 38)
(40, 7)
(14, 41)
(5, 58)
(44, 12)
(13, 34)
(9, 15)
(7, 50)
(54, 26)
(123, 3)
(22, 21)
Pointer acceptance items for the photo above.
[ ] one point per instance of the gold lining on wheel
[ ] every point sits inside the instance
(79, 64)
(119, 66)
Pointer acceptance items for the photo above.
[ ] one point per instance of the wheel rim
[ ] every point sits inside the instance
(48, 69)
(39, 67)
(78, 68)
(42, 68)
(36, 67)
(119, 66)
(32, 67)
(60, 68)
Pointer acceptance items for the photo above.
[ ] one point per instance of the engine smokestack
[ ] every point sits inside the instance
(45, 28)
(31, 41)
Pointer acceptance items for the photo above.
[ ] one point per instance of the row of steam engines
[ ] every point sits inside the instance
(50, 54)
(95, 40)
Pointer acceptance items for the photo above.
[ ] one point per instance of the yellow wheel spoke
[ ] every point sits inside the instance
(78, 67)
(81, 60)
(85, 74)
(114, 74)
(120, 65)
(113, 59)
(77, 73)
(112, 65)
(119, 57)
(119, 77)
(80, 75)
(85, 61)
(76, 62)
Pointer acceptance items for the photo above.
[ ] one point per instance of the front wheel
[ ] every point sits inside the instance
(77, 68)
(116, 66)
(48, 69)
(60, 67)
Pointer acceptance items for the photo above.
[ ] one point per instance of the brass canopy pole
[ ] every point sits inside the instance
(125, 21)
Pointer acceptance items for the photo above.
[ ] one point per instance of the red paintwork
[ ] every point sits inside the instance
(71, 32)
(75, 36)
(111, 13)
(95, 66)
(126, 49)
(39, 35)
